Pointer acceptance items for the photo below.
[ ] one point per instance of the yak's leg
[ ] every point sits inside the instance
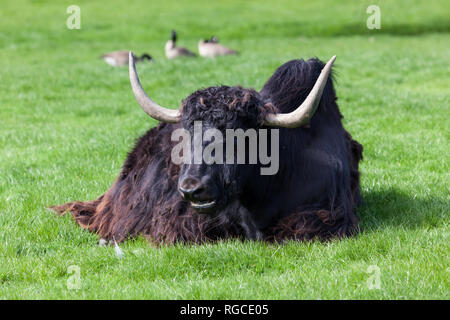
(248, 225)
(312, 224)
(234, 221)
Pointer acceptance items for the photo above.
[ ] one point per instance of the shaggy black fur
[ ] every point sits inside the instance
(313, 195)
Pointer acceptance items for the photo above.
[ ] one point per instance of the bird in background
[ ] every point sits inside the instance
(212, 48)
(120, 58)
(173, 51)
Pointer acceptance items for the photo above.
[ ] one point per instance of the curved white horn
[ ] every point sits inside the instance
(306, 110)
(150, 107)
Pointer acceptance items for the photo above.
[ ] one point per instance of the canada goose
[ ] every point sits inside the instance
(212, 48)
(172, 51)
(120, 58)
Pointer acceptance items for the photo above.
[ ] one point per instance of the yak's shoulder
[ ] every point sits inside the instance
(153, 145)
(291, 83)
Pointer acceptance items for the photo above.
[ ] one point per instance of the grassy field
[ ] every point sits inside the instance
(67, 121)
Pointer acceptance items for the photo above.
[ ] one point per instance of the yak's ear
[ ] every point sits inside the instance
(270, 107)
(266, 108)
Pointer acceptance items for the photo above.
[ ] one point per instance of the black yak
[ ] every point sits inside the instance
(313, 194)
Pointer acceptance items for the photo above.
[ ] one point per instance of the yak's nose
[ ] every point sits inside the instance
(191, 188)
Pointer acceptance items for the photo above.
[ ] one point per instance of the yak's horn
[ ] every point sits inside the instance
(150, 107)
(306, 110)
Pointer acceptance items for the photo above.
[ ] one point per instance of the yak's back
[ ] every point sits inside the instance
(291, 83)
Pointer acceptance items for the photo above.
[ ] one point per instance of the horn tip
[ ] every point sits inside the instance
(332, 59)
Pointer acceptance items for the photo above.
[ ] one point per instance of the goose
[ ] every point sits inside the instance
(172, 51)
(120, 58)
(212, 48)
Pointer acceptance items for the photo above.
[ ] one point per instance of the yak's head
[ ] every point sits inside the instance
(207, 116)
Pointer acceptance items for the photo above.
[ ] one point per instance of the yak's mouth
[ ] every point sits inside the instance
(203, 205)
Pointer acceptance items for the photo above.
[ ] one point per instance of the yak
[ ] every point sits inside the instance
(313, 195)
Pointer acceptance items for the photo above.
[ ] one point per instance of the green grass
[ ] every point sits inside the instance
(67, 121)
